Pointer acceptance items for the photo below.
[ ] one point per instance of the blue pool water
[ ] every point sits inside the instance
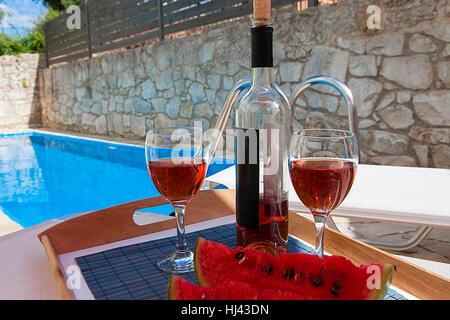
(45, 176)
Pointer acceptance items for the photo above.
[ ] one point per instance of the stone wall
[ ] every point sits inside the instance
(399, 75)
(19, 91)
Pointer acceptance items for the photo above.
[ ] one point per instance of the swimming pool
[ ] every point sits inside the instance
(45, 176)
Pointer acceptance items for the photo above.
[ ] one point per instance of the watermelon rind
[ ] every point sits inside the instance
(197, 268)
(171, 289)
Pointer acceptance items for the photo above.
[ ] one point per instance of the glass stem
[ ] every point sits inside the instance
(319, 222)
(182, 246)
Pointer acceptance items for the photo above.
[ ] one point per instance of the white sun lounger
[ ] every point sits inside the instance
(407, 195)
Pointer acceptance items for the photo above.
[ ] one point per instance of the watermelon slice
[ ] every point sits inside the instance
(181, 289)
(332, 277)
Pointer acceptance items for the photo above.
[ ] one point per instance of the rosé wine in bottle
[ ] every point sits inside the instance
(263, 129)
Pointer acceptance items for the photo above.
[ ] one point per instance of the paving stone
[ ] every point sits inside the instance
(421, 44)
(385, 142)
(413, 72)
(387, 44)
(164, 80)
(406, 161)
(148, 90)
(443, 68)
(398, 116)
(440, 31)
(422, 154)
(365, 92)
(441, 156)
(430, 135)
(352, 45)
(362, 66)
(197, 93)
(291, 71)
(432, 107)
(327, 61)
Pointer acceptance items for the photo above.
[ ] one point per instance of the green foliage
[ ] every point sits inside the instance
(59, 4)
(32, 42)
(67, 3)
(11, 46)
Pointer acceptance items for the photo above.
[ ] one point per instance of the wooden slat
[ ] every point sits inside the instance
(279, 3)
(98, 5)
(408, 277)
(211, 18)
(59, 20)
(57, 270)
(140, 23)
(68, 50)
(78, 55)
(177, 5)
(70, 38)
(134, 16)
(125, 33)
(57, 30)
(126, 42)
(61, 34)
(198, 10)
(119, 14)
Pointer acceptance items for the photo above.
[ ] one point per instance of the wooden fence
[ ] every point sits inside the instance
(111, 24)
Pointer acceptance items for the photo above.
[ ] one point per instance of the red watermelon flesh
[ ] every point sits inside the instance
(332, 277)
(181, 289)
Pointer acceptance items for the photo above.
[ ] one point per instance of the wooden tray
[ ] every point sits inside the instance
(116, 223)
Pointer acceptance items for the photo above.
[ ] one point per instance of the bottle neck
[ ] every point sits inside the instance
(262, 47)
(262, 77)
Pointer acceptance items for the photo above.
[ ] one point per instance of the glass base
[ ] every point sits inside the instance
(176, 262)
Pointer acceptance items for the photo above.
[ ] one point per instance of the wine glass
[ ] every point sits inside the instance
(177, 166)
(322, 167)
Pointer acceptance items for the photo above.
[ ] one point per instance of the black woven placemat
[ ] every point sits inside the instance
(129, 273)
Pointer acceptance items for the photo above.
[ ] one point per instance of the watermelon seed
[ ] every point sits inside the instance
(334, 292)
(239, 255)
(337, 285)
(291, 273)
(285, 274)
(269, 269)
(242, 260)
(301, 275)
(317, 282)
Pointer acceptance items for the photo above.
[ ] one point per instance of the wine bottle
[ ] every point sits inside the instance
(263, 128)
